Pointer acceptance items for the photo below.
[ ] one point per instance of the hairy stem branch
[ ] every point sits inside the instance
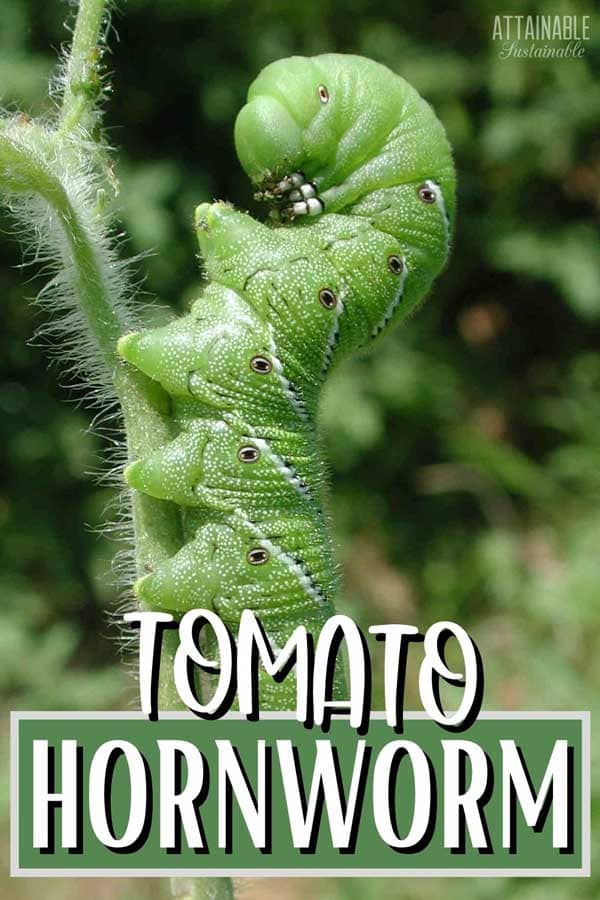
(57, 166)
(83, 81)
(24, 169)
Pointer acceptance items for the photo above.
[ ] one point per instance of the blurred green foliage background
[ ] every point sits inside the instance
(465, 453)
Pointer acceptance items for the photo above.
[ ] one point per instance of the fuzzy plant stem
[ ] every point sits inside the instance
(27, 169)
(46, 171)
(83, 81)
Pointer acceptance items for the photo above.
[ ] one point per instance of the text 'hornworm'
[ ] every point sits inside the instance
(359, 177)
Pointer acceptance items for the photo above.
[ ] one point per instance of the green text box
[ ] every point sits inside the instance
(535, 733)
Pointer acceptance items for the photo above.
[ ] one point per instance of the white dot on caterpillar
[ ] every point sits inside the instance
(323, 94)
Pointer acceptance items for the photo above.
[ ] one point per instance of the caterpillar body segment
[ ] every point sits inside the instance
(359, 178)
(225, 464)
(253, 561)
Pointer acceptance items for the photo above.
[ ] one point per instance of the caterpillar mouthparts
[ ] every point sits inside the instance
(360, 183)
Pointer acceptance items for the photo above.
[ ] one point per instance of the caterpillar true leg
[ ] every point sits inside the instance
(303, 206)
(295, 196)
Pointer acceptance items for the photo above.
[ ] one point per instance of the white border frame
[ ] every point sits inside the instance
(16, 871)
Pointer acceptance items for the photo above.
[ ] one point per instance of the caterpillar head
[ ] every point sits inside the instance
(289, 117)
(348, 124)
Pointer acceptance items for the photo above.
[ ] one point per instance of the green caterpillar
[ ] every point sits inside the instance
(358, 174)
